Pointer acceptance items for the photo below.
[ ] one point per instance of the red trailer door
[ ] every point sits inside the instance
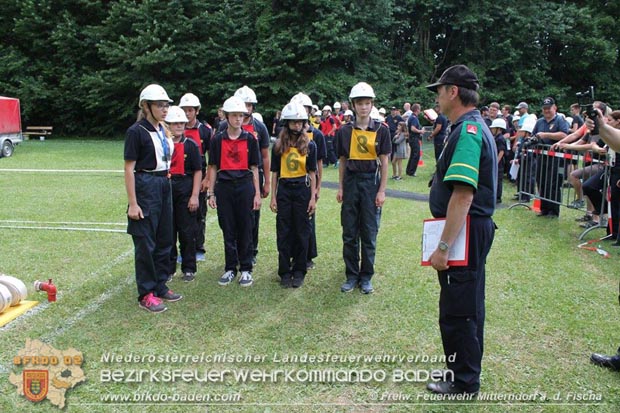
(10, 118)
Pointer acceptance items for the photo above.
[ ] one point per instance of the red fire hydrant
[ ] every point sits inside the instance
(49, 287)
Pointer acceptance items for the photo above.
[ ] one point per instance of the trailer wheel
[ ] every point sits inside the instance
(7, 148)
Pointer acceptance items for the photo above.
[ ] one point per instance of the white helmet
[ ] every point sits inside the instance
(315, 107)
(246, 94)
(362, 90)
(153, 92)
(302, 99)
(382, 111)
(327, 107)
(317, 112)
(348, 112)
(499, 123)
(234, 104)
(337, 105)
(294, 111)
(190, 100)
(374, 114)
(528, 124)
(176, 115)
(258, 116)
(516, 117)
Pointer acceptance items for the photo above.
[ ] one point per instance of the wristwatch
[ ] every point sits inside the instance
(443, 246)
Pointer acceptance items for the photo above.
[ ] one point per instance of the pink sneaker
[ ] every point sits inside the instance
(153, 304)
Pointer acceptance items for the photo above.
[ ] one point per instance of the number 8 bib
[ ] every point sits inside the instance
(363, 145)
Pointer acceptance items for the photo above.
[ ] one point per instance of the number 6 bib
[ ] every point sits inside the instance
(292, 164)
(363, 145)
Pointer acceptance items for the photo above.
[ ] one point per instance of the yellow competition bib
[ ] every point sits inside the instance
(310, 135)
(292, 164)
(363, 145)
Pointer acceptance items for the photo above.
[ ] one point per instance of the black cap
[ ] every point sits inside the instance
(548, 101)
(458, 75)
(484, 109)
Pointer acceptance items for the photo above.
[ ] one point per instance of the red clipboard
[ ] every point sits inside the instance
(431, 235)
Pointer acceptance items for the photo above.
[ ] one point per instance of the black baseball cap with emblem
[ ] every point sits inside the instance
(458, 75)
(548, 101)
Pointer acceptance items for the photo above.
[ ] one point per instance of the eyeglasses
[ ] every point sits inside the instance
(162, 105)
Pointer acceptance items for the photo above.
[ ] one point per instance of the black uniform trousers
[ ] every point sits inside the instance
(330, 143)
(293, 227)
(235, 216)
(256, 216)
(201, 218)
(550, 176)
(414, 156)
(462, 309)
(438, 149)
(185, 224)
(359, 217)
(152, 235)
(526, 181)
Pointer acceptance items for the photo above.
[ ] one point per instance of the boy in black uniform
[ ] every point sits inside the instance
(293, 172)
(464, 185)
(185, 176)
(201, 135)
(363, 148)
(233, 173)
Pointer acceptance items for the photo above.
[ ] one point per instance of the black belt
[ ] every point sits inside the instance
(287, 182)
(154, 173)
(235, 181)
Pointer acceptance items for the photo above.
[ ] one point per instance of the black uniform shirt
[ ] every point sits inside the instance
(245, 155)
(469, 158)
(383, 146)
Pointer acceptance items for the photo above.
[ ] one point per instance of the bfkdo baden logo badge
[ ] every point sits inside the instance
(47, 373)
(36, 383)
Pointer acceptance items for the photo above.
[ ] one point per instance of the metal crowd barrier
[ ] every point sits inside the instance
(543, 174)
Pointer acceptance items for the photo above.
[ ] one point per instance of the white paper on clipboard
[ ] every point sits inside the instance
(514, 171)
(431, 235)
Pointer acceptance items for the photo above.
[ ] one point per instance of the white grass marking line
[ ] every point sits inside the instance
(80, 171)
(90, 308)
(19, 221)
(120, 231)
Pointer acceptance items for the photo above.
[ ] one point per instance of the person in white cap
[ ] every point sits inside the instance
(201, 135)
(498, 128)
(185, 177)
(233, 175)
(363, 148)
(148, 152)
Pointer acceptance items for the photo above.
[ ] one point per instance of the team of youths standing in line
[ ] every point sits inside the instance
(169, 180)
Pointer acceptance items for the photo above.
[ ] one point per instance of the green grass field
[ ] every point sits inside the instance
(549, 304)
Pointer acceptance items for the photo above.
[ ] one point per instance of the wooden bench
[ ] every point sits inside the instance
(40, 131)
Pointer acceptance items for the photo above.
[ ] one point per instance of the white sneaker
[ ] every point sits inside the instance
(246, 279)
(226, 278)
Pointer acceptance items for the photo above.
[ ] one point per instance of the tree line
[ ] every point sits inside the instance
(79, 65)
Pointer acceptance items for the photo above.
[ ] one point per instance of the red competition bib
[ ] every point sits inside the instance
(234, 155)
(177, 165)
(250, 129)
(194, 135)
